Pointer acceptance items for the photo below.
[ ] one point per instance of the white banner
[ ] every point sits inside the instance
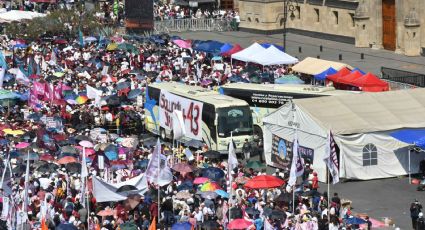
(5, 210)
(192, 113)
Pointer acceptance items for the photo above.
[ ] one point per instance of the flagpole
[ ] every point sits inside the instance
(157, 180)
(88, 204)
(6, 164)
(329, 187)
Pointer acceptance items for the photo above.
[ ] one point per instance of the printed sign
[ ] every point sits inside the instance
(281, 153)
(192, 113)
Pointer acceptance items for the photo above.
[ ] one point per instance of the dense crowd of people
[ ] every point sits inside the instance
(50, 111)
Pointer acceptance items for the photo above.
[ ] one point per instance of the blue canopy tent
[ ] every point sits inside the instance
(414, 137)
(357, 69)
(322, 76)
(209, 47)
(267, 45)
(226, 47)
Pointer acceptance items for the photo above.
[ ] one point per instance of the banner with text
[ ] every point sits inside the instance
(282, 152)
(192, 113)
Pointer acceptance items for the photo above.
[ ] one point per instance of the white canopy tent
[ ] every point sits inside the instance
(361, 124)
(18, 15)
(273, 56)
(248, 53)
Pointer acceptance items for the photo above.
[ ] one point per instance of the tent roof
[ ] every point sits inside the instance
(236, 48)
(248, 53)
(349, 78)
(368, 112)
(313, 66)
(273, 56)
(323, 75)
(340, 74)
(411, 136)
(370, 82)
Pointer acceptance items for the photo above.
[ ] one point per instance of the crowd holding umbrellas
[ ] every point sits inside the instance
(75, 154)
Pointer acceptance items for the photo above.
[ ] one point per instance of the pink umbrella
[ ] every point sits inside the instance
(200, 180)
(86, 144)
(89, 151)
(183, 44)
(22, 145)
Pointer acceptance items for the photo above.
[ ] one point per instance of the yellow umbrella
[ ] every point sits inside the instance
(13, 132)
(58, 74)
(8, 131)
(112, 46)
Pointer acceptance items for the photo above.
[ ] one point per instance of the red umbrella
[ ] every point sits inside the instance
(67, 160)
(46, 157)
(60, 41)
(106, 212)
(201, 180)
(182, 168)
(264, 181)
(239, 224)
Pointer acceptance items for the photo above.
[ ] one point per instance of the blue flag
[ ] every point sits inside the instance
(80, 37)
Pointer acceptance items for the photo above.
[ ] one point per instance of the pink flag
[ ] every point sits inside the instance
(39, 88)
(48, 93)
(57, 92)
(33, 99)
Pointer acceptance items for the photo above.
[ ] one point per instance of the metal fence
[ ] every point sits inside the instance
(200, 24)
(407, 78)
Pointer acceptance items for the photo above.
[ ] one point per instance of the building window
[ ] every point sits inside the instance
(353, 22)
(336, 17)
(370, 155)
(317, 14)
(298, 12)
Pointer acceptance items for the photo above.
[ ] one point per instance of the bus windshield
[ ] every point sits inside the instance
(234, 119)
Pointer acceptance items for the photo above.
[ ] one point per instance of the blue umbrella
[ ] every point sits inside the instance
(216, 58)
(182, 226)
(222, 193)
(213, 173)
(111, 155)
(123, 85)
(354, 220)
(14, 154)
(187, 185)
(22, 46)
(4, 141)
(226, 47)
(134, 93)
(32, 156)
(5, 94)
(34, 116)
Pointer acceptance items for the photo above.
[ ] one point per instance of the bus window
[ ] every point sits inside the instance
(234, 119)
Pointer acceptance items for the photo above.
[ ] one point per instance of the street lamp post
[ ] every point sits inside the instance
(289, 6)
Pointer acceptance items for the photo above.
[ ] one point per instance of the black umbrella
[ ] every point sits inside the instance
(236, 213)
(123, 85)
(73, 167)
(83, 138)
(210, 224)
(267, 211)
(277, 215)
(212, 154)
(252, 211)
(47, 168)
(213, 173)
(69, 149)
(134, 93)
(126, 188)
(81, 126)
(113, 100)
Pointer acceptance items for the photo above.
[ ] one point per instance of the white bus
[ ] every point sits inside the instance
(208, 116)
(266, 98)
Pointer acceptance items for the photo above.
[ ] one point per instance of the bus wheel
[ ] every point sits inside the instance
(258, 132)
(162, 134)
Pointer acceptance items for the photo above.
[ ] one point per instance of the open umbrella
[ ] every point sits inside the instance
(126, 188)
(209, 195)
(194, 143)
(354, 220)
(134, 93)
(277, 215)
(185, 186)
(211, 154)
(200, 180)
(129, 226)
(47, 168)
(213, 173)
(106, 212)
(67, 160)
(254, 164)
(222, 193)
(283, 197)
(182, 226)
(264, 181)
(209, 186)
(69, 149)
(239, 224)
(46, 157)
(123, 85)
(183, 168)
(311, 193)
(30, 156)
(73, 167)
(210, 225)
(241, 180)
(252, 211)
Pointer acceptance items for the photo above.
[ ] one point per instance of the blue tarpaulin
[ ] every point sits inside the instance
(357, 69)
(322, 76)
(411, 136)
(267, 45)
(210, 47)
(226, 47)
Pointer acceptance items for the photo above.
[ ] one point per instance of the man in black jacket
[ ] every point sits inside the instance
(420, 222)
(415, 210)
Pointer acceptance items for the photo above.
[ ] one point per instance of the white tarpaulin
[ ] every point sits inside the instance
(248, 53)
(365, 155)
(18, 15)
(106, 192)
(192, 113)
(273, 56)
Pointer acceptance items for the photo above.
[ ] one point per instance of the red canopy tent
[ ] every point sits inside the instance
(371, 83)
(336, 78)
(236, 48)
(347, 79)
